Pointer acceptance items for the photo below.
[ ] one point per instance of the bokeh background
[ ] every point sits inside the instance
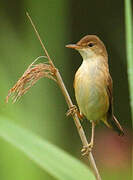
(42, 110)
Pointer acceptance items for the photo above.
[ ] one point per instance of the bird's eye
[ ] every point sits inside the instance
(91, 44)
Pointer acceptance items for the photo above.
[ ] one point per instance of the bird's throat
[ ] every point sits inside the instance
(91, 67)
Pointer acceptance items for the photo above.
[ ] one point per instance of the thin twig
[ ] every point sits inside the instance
(69, 103)
(39, 38)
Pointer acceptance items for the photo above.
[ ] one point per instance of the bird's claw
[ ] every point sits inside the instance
(72, 110)
(86, 149)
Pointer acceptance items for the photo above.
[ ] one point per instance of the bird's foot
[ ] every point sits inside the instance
(72, 110)
(86, 149)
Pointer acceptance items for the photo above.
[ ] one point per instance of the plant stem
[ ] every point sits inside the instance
(69, 103)
(129, 48)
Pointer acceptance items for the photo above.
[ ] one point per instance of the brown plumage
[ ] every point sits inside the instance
(95, 40)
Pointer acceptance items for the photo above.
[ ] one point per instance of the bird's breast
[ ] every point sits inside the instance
(90, 90)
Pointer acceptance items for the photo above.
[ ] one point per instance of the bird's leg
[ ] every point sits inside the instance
(80, 115)
(92, 135)
(87, 149)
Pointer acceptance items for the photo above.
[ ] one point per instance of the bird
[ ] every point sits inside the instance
(93, 85)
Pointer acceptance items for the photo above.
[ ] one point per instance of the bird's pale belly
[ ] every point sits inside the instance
(92, 97)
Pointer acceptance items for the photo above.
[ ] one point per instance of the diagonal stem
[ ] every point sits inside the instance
(39, 38)
(69, 103)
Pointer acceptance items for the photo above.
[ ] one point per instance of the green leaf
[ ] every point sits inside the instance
(49, 157)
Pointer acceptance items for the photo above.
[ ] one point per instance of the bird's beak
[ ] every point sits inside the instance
(73, 46)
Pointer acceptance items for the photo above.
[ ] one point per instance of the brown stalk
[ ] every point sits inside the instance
(69, 103)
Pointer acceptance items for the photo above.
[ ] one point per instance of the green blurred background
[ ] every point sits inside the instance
(42, 109)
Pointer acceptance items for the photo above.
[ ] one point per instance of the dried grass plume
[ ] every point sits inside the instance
(33, 73)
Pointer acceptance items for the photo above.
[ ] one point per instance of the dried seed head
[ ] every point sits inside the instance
(33, 73)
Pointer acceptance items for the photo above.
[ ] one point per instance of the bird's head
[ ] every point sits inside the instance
(89, 46)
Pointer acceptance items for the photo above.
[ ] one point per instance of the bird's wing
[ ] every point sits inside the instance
(110, 95)
(111, 119)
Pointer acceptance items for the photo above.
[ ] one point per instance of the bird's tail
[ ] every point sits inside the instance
(114, 124)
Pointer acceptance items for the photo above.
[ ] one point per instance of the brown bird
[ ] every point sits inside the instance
(93, 84)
